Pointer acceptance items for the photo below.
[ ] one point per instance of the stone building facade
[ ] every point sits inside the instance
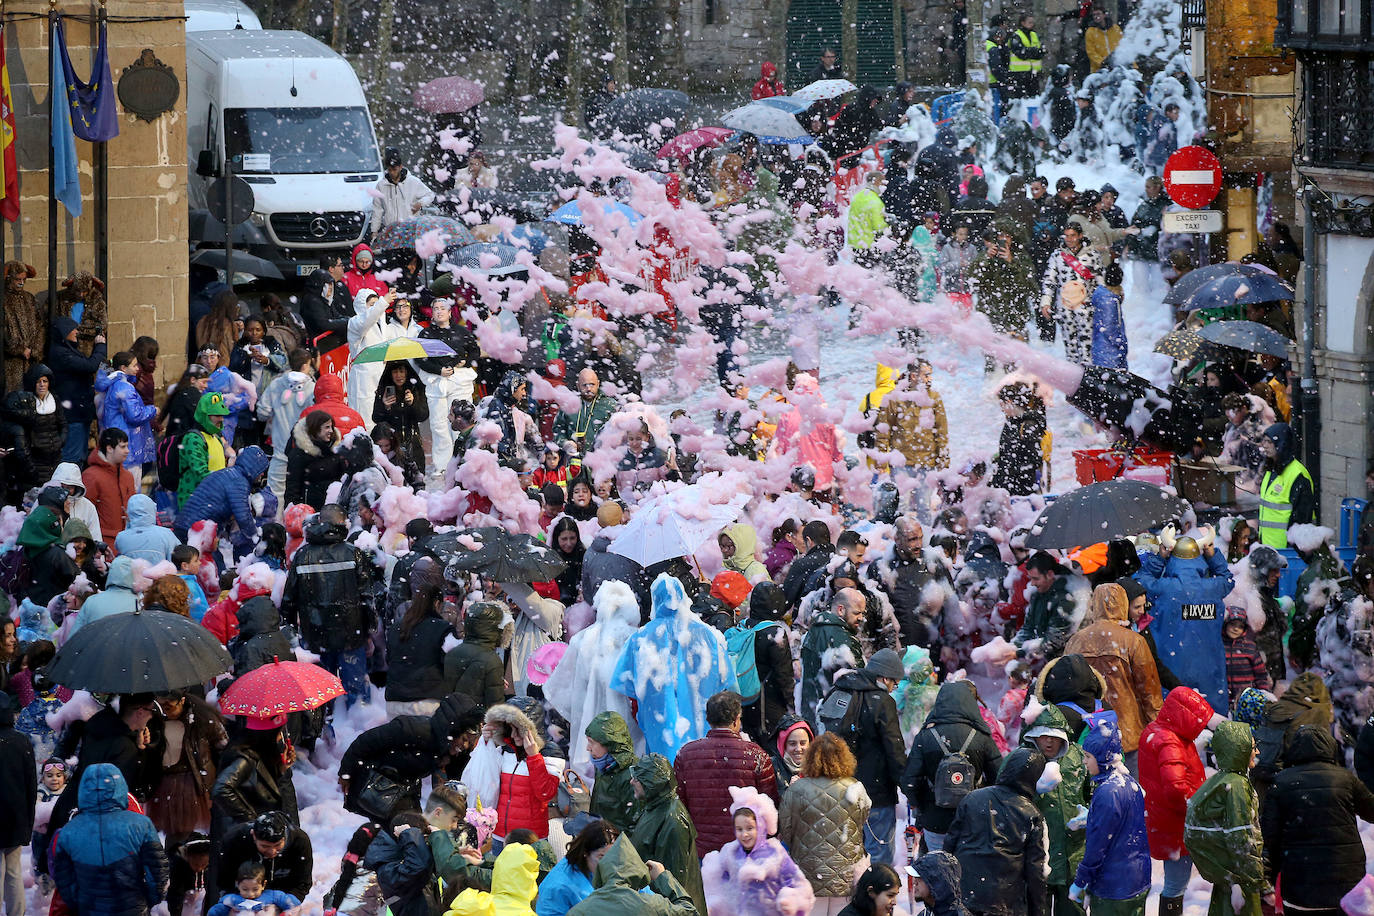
(147, 281)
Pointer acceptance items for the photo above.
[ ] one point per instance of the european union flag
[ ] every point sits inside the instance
(93, 113)
(66, 180)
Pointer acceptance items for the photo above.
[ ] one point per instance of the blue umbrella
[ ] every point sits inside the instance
(1236, 289)
(484, 257)
(788, 103)
(526, 236)
(768, 123)
(570, 214)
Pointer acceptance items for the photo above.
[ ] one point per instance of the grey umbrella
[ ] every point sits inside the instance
(1102, 511)
(140, 652)
(1247, 335)
(243, 262)
(768, 124)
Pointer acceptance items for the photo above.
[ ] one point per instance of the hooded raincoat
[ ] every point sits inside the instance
(117, 598)
(998, 836)
(664, 832)
(954, 716)
(1123, 658)
(580, 687)
(1060, 803)
(365, 328)
(612, 796)
(671, 667)
(223, 497)
(621, 875)
(743, 561)
(1170, 769)
(1116, 857)
(942, 873)
(1188, 603)
(143, 538)
(1222, 827)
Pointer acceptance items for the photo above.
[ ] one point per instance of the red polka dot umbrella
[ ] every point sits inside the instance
(280, 688)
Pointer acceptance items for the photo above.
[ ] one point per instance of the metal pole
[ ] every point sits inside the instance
(1310, 399)
(101, 161)
(52, 177)
(228, 219)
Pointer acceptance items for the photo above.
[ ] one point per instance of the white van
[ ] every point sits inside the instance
(216, 15)
(292, 116)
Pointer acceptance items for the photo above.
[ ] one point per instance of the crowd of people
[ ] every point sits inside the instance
(863, 641)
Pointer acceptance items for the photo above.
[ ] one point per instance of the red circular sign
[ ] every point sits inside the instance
(1192, 176)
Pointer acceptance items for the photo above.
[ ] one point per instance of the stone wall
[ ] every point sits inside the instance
(147, 285)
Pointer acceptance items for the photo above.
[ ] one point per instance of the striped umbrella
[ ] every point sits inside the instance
(403, 348)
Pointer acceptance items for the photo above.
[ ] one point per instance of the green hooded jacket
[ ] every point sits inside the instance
(828, 632)
(619, 878)
(1221, 829)
(1060, 804)
(612, 797)
(41, 530)
(195, 452)
(664, 831)
(1005, 289)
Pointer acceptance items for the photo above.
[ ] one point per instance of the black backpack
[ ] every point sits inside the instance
(839, 713)
(956, 776)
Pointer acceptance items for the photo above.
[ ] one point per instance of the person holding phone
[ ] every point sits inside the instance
(400, 402)
(447, 379)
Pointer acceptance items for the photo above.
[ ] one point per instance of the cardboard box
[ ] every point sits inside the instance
(1212, 483)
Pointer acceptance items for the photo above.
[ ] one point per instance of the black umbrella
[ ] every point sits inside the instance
(497, 554)
(489, 202)
(640, 113)
(1247, 335)
(139, 652)
(1102, 511)
(243, 262)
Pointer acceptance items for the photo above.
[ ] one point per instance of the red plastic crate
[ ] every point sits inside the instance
(1092, 465)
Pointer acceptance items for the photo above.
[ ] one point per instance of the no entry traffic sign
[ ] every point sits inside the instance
(1192, 176)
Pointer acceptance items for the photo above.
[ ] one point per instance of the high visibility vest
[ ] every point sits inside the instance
(1021, 64)
(1276, 506)
(992, 77)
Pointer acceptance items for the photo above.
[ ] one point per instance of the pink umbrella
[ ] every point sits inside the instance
(449, 95)
(685, 144)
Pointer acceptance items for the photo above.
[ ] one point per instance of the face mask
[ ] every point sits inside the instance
(604, 762)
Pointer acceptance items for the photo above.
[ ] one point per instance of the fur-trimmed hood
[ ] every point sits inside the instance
(508, 715)
(307, 444)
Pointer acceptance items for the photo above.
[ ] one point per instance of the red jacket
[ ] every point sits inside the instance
(768, 84)
(109, 489)
(706, 769)
(330, 397)
(527, 787)
(1170, 770)
(222, 618)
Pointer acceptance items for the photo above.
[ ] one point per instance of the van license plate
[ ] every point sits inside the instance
(305, 270)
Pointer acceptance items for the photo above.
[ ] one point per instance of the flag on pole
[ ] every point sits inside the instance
(93, 113)
(66, 179)
(9, 166)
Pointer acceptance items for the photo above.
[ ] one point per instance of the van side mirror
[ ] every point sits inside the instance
(205, 164)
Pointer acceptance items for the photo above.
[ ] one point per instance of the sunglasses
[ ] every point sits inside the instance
(54, 768)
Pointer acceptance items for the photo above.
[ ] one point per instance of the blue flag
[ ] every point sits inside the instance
(93, 113)
(66, 180)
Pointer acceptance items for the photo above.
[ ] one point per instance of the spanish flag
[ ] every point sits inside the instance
(9, 167)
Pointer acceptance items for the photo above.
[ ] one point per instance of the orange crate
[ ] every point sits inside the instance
(1092, 465)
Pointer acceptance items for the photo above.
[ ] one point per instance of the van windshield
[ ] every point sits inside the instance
(297, 141)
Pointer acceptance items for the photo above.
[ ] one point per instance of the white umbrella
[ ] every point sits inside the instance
(673, 525)
(824, 89)
(769, 124)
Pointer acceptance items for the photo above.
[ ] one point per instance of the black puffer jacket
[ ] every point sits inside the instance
(326, 591)
(953, 717)
(18, 779)
(410, 746)
(49, 430)
(773, 661)
(105, 738)
(310, 467)
(326, 317)
(1309, 822)
(1018, 453)
(405, 872)
(416, 665)
(473, 668)
(877, 738)
(998, 836)
(260, 638)
(17, 414)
